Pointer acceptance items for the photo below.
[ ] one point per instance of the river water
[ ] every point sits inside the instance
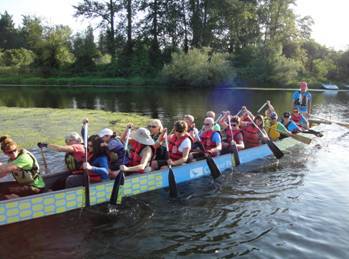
(297, 207)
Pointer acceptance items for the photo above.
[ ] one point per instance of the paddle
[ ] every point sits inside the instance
(276, 151)
(214, 170)
(282, 129)
(171, 178)
(234, 148)
(86, 175)
(340, 123)
(260, 109)
(118, 180)
(44, 160)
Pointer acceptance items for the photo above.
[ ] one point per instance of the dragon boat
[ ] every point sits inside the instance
(55, 202)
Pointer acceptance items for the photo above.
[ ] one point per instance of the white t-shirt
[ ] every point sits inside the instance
(186, 143)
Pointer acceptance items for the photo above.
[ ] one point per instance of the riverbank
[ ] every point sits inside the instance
(27, 126)
(78, 81)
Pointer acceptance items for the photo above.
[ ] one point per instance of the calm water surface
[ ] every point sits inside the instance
(297, 207)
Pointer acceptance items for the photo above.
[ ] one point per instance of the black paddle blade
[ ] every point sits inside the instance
(87, 188)
(116, 186)
(235, 155)
(276, 151)
(215, 173)
(172, 184)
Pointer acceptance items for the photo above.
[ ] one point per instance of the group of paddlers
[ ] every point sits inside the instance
(153, 147)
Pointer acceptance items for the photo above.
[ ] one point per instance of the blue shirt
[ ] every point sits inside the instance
(292, 127)
(216, 138)
(100, 166)
(301, 100)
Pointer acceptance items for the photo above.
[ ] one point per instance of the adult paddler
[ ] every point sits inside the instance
(302, 100)
(25, 169)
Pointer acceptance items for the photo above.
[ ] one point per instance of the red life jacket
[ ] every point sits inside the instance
(251, 136)
(206, 140)
(235, 135)
(296, 118)
(173, 146)
(134, 156)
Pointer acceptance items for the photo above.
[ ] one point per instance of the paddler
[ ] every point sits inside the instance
(24, 168)
(302, 100)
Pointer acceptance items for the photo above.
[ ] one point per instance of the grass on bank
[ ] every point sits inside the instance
(27, 126)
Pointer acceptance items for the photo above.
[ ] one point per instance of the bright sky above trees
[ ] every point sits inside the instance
(330, 16)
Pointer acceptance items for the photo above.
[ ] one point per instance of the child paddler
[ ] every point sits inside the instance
(24, 168)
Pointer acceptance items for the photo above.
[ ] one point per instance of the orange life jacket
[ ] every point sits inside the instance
(251, 136)
(174, 144)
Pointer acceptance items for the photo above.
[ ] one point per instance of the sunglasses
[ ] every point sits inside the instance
(207, 124)
(10, 152)
(295, 111)
(152, 126)
(233, 124)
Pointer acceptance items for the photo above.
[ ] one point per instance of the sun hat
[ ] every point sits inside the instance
(105, 132)
(142, 135)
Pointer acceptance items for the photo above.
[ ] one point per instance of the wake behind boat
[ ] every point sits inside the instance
(55, 202)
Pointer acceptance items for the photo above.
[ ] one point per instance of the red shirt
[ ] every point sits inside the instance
(79, 152)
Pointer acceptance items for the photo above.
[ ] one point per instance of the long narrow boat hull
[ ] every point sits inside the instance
(50, 203)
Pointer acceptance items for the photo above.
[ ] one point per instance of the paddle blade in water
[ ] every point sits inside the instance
(276, 151)
(172, 183)
(235, 155)
(215, 173)
(115, 191)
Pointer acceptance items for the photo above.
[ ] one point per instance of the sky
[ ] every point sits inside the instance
(330, 16)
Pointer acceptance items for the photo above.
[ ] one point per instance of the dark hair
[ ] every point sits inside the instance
(260, 117)
(97, 150)
(181, 126)
(235, 119)
(286, 115)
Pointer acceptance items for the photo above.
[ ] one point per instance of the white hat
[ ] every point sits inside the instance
(105, 132)
(142, 135)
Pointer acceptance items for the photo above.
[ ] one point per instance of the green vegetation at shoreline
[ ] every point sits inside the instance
(198, 44)
(77, 81)
(27, 126)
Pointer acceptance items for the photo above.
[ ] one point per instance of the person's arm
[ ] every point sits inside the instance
(146, 157)
(67, 149)
(216, 138)
(223, 120)
(5, 169)
(240, 141)
(270, 106)
(100, 167)
(185, 146)
(309, 105)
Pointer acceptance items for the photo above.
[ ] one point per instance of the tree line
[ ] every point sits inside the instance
(182, 42)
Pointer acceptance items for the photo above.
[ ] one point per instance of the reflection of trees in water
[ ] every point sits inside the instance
(166, 103)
